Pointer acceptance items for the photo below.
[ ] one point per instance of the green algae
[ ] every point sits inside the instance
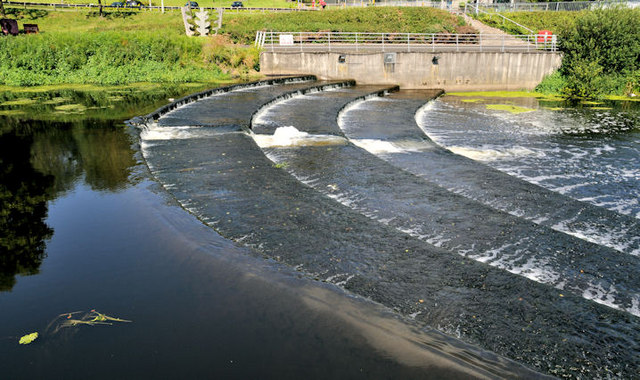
(509, 108)
(71, 108)
(11, 112)
(508, 94)
(56, 100)
(473, 100)
(623, 98)
(28, 338)
(20, 102)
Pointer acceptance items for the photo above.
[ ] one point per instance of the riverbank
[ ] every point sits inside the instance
(126, 46)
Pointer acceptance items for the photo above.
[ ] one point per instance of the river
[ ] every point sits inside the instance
(329, 234)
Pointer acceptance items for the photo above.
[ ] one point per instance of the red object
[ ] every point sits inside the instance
(544, 35)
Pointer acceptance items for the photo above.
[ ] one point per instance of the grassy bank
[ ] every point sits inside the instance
(119, 48)
(202, 3)
(125, 46)
(241, 27)
(557, 22)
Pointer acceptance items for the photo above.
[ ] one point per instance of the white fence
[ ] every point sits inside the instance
(397, 42)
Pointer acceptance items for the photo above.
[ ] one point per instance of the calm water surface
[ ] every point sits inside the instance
(84, 227)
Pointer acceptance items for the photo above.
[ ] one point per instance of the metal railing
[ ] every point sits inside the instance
(554, 6)
(399, 42)
(475, 9)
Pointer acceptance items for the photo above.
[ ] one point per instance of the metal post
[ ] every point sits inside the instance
(433, 42)
(457, 43)
(382, 41)
(329, 39)
(408, 42)
(300, 34)
(356, 42)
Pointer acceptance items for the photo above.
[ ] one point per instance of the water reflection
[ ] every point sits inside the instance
(102, 156)
(24, 193)
(50, 140)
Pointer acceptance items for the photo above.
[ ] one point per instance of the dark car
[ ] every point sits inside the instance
(134, 4)
(117, 4)
(192, 4)
(237, 4)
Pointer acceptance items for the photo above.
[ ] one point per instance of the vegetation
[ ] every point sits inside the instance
(241, 27)
(557, 22)
(116, 49)
(602, 54)
(127, 46)
(601, 49)
(202, 3)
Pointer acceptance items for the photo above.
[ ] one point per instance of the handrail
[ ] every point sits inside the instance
(400, 42)
(476, 10)
(555, 6)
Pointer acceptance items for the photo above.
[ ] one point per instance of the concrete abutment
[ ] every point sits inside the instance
(451, 71)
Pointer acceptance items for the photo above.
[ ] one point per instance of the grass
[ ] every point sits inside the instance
(241, 27)
(124, 46)
(557, 22)
(202, 3)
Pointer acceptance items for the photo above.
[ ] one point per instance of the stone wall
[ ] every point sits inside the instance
(451, 71)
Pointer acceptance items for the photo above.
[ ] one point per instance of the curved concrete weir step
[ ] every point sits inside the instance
(406, 146)
(230, 108)
(424, 209)
(226, 180)
(322, 106)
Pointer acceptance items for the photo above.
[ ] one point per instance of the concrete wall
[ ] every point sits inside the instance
(454, 71)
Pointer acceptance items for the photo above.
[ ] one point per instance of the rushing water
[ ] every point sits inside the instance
(588, 153)
(84, 226)
(312, 200)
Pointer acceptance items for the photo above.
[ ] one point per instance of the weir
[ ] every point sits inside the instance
(418, 231)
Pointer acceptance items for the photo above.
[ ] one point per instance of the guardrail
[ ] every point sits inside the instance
(397, 42)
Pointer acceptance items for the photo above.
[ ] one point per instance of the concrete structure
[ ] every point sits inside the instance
(451, 71)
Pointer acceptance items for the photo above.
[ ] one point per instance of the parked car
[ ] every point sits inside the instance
(133, 4)
(237, 4)
(192, 4)
(117, 4)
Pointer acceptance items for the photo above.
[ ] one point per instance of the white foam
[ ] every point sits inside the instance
(377, 146)
(291, 137)
(491, 154)
(156, 132)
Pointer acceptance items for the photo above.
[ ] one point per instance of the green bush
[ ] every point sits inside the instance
(552, 84)
(608, 37)
(602, 53)
(114, 58)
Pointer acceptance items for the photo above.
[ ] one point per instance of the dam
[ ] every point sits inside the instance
(340, 181)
